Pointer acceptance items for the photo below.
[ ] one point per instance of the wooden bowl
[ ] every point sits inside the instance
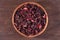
(30, 36)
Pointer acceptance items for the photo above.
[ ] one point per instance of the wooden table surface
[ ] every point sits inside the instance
(7, 32)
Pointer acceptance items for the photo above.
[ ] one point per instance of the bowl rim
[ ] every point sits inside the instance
(42, 29)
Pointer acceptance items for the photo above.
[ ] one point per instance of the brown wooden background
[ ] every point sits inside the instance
(7, 32)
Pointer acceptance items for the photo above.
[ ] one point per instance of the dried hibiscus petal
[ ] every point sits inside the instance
(30, 19)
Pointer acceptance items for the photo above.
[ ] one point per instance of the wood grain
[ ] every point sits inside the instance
(7, 32)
